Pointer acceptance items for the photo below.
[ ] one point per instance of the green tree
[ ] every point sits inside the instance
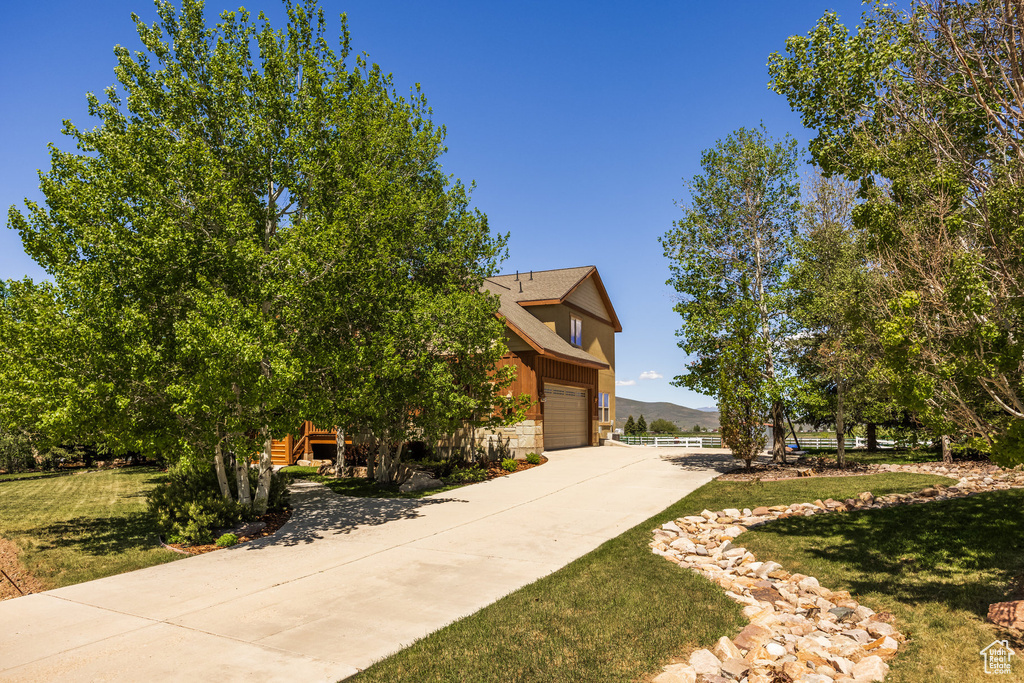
(727, 260)
(663, 426)
(696, 429)
(922, 108)
(743, 404)
(258, 232)
(630, 428)
(829, 279)
(641, 426)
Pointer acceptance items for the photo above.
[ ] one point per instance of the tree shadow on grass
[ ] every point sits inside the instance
(962, 553)
(695, 461)
(318, 512)
(100, 535)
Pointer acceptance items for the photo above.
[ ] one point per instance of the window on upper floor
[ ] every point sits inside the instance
(604, 414)
(575, 331)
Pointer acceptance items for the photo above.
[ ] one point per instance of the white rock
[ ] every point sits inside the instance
(870, 669)
(676, 673)
(705, 662)
(775, 649)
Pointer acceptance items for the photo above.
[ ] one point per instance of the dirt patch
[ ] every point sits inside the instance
(17, 577)
(273, 521)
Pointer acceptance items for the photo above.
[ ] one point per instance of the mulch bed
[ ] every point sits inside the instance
(273, 521)
(494, 469)
(15, 573)
(823, 467)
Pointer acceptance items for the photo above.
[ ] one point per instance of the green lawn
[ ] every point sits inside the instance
(14, 476)
(617, 613)
(880, 457)
(936, 567)
(84, 526)
(360, 487)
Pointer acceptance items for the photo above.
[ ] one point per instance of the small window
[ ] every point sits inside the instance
(603, 409)
(576, 331)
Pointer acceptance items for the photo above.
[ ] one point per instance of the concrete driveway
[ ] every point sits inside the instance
(347, 580)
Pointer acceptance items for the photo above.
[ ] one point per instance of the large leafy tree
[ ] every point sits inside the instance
(924, 108)
(840, 382)
(727, 259)
(257, 231)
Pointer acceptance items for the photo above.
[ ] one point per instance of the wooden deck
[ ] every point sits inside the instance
(291, 449)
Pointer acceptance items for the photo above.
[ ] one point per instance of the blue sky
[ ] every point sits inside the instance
(578, 121)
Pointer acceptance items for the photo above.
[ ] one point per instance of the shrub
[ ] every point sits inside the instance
(15, 452)
(509, 464)
(533, 459)
(189, 504)
(227, 540)
(466, 475)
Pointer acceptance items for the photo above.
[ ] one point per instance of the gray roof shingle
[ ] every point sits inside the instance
(545, 285)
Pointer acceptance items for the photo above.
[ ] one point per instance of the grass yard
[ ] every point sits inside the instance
(14, 476)
(79, 527)
(616, 614)
(880, 457)
(936, 567)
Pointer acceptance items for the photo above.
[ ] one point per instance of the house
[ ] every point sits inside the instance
(560, 331)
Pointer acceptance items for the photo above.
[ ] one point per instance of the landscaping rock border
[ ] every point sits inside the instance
(797, 627)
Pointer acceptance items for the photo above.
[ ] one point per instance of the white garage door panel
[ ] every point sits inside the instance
(565, 417)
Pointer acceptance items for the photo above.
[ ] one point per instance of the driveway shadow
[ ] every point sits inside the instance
(319, 511)
(694, 461)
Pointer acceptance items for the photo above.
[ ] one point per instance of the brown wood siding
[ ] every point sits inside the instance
(525, 381)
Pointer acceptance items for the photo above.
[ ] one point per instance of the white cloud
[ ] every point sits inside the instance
(625, 382)
(650, 374)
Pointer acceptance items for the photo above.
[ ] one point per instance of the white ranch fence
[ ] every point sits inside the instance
(716, 442)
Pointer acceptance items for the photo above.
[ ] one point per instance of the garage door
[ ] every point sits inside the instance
(565, 417)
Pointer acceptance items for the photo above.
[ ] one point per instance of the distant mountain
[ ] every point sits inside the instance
(710, 409)
(684, 418)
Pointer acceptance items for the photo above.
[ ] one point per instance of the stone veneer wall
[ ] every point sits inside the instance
(522, 438)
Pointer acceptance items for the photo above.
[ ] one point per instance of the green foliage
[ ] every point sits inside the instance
(696, 429)
(663, 426)
(227, 540)
(533, 458)
(727, 259)
(742, 400)
(918, 107)
(15, 452)
(641, 426)
(260, 231)
(188, 505)
(509, 464)
(630, 428)
(466, 475)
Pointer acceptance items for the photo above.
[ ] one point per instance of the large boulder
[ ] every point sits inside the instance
(420, 481)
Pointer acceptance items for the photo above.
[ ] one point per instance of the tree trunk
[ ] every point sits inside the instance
(339, 458)
(371, 464)
(383, 470)
(778, 434)
(242, 480)
(872, 437)
(840, 428)
(218, 465)
(947, 452)
(259, 503)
